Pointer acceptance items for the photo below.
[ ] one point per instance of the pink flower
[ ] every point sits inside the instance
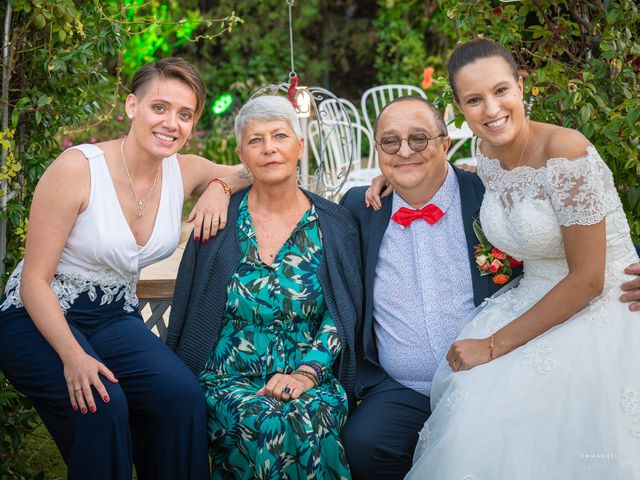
(93, 140)
(427, 78)
(200, 152)
(67, 143)
(119, 118)
(495, 266)
(200, 145)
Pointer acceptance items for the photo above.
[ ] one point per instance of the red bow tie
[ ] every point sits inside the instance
(405, 216)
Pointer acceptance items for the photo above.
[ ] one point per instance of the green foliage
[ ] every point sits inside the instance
(157, 28)
(9, 171)
(66, 68)
(56, 79)
(220, 143)
(169, 25)
(17, 419)
(411, 36)
(583, 60)
(259, 47)
(333, 47)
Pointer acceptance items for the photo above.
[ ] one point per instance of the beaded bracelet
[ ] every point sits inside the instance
(492, 344)
(309, 375)
(316, 369)
(225, 187)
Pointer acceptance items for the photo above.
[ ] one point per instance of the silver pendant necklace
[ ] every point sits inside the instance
(526, 142)
(524, 149)
(139, 202)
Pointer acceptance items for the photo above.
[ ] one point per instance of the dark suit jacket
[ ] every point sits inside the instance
(372, 227)
(200, 295)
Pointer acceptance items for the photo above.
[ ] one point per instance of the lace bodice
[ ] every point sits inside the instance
(523, 210)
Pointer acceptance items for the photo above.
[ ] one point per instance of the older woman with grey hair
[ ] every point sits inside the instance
(266, 314)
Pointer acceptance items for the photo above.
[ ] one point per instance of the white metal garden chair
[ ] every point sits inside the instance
(375, 98)
(342, 135)
(458, 137)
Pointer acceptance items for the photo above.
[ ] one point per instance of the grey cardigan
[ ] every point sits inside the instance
(200, 295)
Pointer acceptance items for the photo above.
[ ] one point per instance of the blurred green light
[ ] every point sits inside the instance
(222, 104)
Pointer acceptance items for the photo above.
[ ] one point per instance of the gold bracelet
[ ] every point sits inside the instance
(492, 344)
(225, 187)
(309, 375)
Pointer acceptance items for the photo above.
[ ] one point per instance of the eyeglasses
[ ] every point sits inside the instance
(417, 142)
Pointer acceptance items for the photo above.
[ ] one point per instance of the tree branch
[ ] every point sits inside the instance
(547, 20)
(4, 124)
(554, 28)
(575, 13)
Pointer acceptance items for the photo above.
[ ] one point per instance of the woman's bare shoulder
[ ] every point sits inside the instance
(71, 163)
(561, 142)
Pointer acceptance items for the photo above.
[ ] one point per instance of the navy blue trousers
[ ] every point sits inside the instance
(381, 433)
(156, 415)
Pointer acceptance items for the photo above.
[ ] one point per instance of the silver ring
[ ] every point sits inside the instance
(77, 389)
(286, 390)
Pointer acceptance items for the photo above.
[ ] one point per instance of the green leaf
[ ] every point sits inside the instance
(585, 113)
(633, 197)
(40, 22)
(632, 116)
(588, 130)
(15, 116)
(43, 100)
(477, 229)
(613, 15)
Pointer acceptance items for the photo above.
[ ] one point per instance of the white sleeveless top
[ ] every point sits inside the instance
(101, 250)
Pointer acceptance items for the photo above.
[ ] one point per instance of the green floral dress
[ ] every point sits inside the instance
(275, 318)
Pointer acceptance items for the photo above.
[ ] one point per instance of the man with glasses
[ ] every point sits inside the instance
(421, 284)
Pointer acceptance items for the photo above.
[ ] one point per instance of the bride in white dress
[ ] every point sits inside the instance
(544, 382)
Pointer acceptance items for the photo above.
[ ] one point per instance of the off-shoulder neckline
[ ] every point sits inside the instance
(590, 150)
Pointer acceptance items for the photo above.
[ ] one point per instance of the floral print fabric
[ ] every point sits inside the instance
(275, 318)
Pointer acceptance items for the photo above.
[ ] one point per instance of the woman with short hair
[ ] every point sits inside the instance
(71, 335)
(266, 314)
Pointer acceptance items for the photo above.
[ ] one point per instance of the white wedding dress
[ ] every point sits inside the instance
(566, 405)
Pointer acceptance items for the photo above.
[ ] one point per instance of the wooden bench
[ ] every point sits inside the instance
(156, 295)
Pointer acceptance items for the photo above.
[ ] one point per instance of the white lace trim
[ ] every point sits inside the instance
(630, 405)
(537, 355)
(582, 191)
(69, 283)
(453, 399)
